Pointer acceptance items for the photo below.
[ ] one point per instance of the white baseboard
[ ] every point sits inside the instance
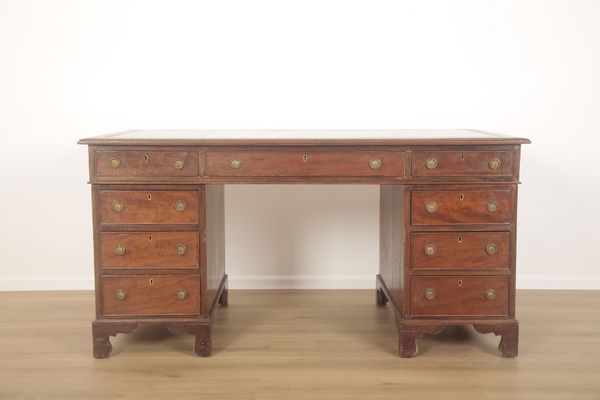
(558, 282)
(302, 282)
(293, 282)
(37, 283)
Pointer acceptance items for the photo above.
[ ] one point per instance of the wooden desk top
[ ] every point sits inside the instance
(304, 137)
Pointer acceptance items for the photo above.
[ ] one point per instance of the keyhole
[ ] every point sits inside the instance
(146, 158)
(305, 157)
(150, 238)
(462, 157)
(461, 197)
(151, 282)
(149, 196)
(460, 282)
(460, 239)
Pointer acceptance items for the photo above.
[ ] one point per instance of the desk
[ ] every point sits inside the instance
(448, 216)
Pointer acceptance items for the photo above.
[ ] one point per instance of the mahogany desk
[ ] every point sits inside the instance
(448, 219)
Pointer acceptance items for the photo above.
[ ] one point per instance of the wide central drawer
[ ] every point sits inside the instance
(461, 207)
(468, 250)
(305, 163)
(441, 296)
(125, 295)
(148, 207)
(149, 250)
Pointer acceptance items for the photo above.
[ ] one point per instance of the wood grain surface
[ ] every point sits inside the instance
(461, 207)
(460, 250)
(148, 206)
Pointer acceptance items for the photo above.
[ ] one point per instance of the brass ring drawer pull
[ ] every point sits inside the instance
(492, 207)
(178, 164)
(117, 206)
(490, 294)
(181, 294)
(429, 294)
(375, 163)
(121, 294)
(431, 163)
(115, 163)
(120, 250)
(491, 248)
(495, 164)
(180, 206)
(235, 163)
(180, 249)
(429, 249)
(431, 207)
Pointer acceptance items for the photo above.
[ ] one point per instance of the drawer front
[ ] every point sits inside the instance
(457, 163)
(441, 296)
(462, 207)
(134, 163)
(148, 207)
(298, 163)
(137, 295)
(149, 250)
(460, 250)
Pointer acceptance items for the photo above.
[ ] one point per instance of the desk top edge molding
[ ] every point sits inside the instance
(426, 137)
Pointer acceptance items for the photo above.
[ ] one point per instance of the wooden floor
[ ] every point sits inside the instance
(298, 345)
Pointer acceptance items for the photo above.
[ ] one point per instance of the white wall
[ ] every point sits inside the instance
(70, 69)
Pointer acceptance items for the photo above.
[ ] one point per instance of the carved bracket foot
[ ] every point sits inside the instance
(408, 335)
(380, 297)
(224, 298)
(202, 333)
(509, 332)
(101, 332)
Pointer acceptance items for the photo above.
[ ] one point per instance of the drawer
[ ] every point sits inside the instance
(457, 163)
(149, 250)
(136, 163)
(460, 250)
(473, 296)
(307, 163)
(462, 207)
(151, 295)
(148, 207)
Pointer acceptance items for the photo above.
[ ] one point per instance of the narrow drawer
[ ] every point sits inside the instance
(148, 207)
(472, 296)
(149, 250)
(468, 250)
(466, 163)
(137, 163)
(462, 207)
(308, 163)
(136, 295)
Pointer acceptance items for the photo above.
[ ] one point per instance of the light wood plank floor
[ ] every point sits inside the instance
(298, 345)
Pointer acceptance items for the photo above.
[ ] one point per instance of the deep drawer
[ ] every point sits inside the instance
(308, 163)
(457, 163)
(148, 207)
(137, 295)
(460, 250)
(149, 250)
(462, 207)
(137, 163)
(472, 296)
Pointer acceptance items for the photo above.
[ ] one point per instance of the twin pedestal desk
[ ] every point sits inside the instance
(448, 223)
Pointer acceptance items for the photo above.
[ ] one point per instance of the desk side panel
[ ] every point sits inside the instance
(392, 237)
(215, 242)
